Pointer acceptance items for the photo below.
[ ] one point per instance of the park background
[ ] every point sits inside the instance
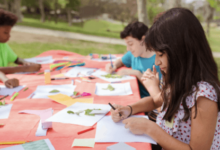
(74, 25)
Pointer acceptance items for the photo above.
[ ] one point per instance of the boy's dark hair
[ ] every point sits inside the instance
(7, 18)
(135, 29)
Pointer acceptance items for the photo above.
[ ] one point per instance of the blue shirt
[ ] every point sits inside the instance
(140, 64)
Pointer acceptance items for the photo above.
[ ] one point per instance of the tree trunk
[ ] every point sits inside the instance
(209, 12)
(6, 4)
(56, 16)
(41, 6)
(69, 16)
(171, 4)
(17, 9)
(142, 11)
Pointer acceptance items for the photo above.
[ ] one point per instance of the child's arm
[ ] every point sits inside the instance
(10, 70)
(9, 83)
(21, 61)
(202, 128)
(116, 64)
(146, 104)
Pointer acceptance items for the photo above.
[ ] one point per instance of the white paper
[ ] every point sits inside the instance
(49, 144)
(5, 111)
(40, 60)
(120, 89)
(116, 132)
(80, 72)
(120, 146)
(43, 91)
(40, 130)
(17, 147)
(63, 117)
(99, 74)
(7, 91)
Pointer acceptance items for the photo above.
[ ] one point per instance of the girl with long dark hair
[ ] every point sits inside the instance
(189, 96)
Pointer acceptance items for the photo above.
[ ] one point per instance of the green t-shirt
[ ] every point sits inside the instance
(6, 55)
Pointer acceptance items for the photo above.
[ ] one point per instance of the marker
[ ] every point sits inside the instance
(13, 97)
(114, 108)
(59, 78)
(4, 97)
(111, 60)
(83, 131)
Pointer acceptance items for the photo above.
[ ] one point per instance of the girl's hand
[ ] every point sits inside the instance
(137, 125)
(109, 68)
(123, 110)
(150, 79)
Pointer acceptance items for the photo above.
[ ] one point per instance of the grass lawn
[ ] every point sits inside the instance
(214, 39)
(91, 27)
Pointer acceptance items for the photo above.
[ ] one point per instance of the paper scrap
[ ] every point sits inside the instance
(120, 146)
(7, 91)
(84, 143)
(5, 111)
(81, 119)
(43, 91)
(40, 60)
(123, 134)
(44, 114)
(80, 72)
(119, 89)
(67, 100)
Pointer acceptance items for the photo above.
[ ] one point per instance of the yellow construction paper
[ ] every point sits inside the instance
(59, 75)
(84, 142)
(67, 100)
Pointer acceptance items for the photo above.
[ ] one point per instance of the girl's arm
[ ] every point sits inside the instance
(202, 128)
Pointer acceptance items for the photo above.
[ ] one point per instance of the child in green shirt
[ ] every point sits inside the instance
(7, 55)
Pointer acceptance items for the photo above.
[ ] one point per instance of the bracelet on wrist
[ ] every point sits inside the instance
(131, 111)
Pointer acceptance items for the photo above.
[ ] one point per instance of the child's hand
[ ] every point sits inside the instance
(109, 68)
(11, 83)
(33, 68)
(151, 79)
(123, 110)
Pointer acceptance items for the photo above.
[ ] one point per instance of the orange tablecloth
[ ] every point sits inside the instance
(22, 127)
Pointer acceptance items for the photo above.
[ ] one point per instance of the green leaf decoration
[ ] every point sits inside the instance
(2, 103)
(110, 88)
(87, 112)
(70, 112)
(111, 76)
(54, 91)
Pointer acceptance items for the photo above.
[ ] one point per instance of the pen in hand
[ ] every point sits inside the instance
(114, 108)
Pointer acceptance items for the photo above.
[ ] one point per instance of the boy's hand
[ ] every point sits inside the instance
(25, 63)
(109, 69)
(11, 83)
(33, 68)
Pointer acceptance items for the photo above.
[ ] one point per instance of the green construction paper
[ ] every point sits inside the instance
(54, 91)
(84, 142)
(111, 76)
(70, 112)
(36, 145)
(88, 111)
(75, 93)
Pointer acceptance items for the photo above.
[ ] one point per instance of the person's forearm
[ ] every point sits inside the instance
(3, 77)
(164, 139)
(19, 61)
(9, 70)
(118, 63)
(145, 104)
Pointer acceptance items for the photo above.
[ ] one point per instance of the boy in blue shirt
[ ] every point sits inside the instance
(137, 57)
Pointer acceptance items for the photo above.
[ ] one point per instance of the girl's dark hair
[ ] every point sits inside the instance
(7, 18)
(179, 34)
(136, 30)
